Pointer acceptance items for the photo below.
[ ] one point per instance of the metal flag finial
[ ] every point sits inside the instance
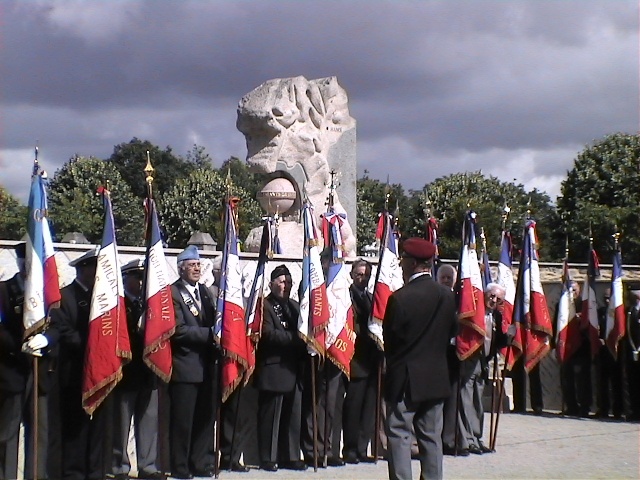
(148, 170)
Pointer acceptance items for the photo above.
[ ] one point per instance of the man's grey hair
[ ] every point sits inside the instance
(496, 288)
(446, 268)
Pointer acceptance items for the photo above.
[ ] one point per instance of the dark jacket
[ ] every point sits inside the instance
(419, 322)
(72, 319)
(192, 346)
(366, 355)
(136, 374)
(281, 352)
(16, 366)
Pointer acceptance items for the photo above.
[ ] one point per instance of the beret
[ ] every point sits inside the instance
(189, 253)
(87, 259)
(418, 248)
(280, 270)
(134, 266)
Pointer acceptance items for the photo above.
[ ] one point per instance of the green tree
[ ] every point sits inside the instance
(241, 176)
(366, 221)
(451, 196)
(602, 192)
(13, 216)
(131, 158)
(76, 207)
(195, 204)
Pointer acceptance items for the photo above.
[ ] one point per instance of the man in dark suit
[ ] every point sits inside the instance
(609, 370)
(278, 377)
(193, 388)
(358, 414)
(419, 322)
(82, 435)
(136, 395)
(633, 351)
(16, 378)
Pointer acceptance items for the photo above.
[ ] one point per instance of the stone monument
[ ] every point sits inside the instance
(300, 130)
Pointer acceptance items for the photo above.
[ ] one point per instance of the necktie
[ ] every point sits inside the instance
(196, 294)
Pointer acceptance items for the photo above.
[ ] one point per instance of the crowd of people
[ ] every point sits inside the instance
(433, 401)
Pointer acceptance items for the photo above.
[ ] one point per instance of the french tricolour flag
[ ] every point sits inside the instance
(530, 310)
(568, 331)
(388, 276)
(108, 347)
(160, 320)
(230, 318)
(471, 296)
(589, 315)
(314, 307)
(340, 337)
(616, 327)
(41, 288)
(505, 279)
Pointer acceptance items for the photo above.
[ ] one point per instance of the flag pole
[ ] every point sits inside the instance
(36, 168)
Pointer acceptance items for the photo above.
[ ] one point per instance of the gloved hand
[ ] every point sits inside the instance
(35, 344)
(511, 333)
(38, 341)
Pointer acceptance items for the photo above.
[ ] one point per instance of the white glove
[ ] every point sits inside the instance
(31, 351)
(37, 342)
(511, 331)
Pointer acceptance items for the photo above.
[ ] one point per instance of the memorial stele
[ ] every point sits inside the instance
(299, 131)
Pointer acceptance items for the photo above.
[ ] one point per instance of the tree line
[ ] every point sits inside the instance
(599, 196)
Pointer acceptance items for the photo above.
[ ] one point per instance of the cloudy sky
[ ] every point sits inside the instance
(514, 88)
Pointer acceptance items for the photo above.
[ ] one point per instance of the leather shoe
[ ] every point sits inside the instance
(122, 476)
(208, 472)
(152, 475)
(475, 450)
(233, 466)
(351, 457)
(269, 466)
(182, 475)
(295, 465)
(335, 462)
(485, 449)
(462, 452)
(309, 462)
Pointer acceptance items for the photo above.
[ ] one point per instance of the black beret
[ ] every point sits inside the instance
(21, 250)
(418, 248)
(280, 270)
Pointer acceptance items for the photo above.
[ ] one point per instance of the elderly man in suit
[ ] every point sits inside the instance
(419, 323)
(278, 377)
(194, 381)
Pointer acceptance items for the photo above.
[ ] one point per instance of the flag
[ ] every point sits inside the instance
(340, 337)
(108, 346)
(388, 276)
(254, 310)
(486, 269)
(41, 285)
(230, 327)
(471, 295)
(314, 308)
(616, 325)
(530, 312)
(568, 330)
(432, 236)
(505, 279)
(159, 320)
(589, 316)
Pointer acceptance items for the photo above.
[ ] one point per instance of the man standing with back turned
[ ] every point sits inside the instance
(419, 322)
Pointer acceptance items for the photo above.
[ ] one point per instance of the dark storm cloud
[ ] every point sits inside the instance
(444, 86)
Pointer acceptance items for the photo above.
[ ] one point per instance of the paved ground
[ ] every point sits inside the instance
(528, 447)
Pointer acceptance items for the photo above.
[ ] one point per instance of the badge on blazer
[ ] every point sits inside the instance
(193, 310)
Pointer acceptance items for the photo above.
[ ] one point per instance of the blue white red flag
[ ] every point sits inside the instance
(160, 320)
(486, 269)
(589, 317)
(388, 276)
(340, 337)
(255, 304)
(41, 286)
(530, 313)
(505, 279)
(471, 312)
(568, 337)
(616, 325)
(314, 307)
(230, 328)
(108, 347)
